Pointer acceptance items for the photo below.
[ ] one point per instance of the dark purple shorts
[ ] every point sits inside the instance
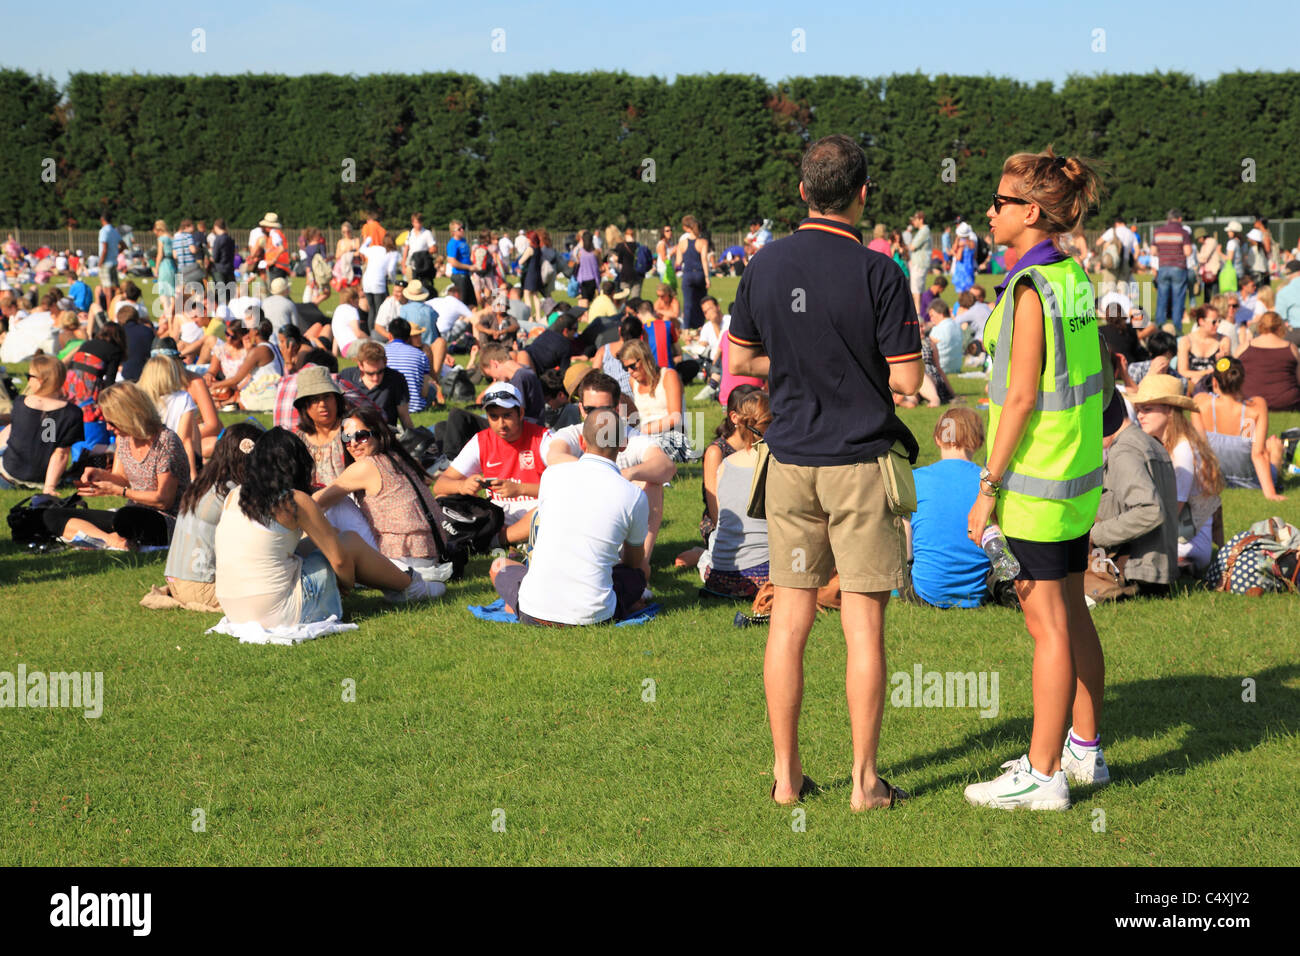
(629, 585)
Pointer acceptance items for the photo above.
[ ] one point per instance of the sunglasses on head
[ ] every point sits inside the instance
(999, 201)
(360, 435)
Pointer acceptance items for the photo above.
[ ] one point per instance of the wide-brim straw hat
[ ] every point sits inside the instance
(415, 291)
(316, 380)
(1162, 390)
(270, 221)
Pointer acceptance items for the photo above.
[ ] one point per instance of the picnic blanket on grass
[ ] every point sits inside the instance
(497, 613)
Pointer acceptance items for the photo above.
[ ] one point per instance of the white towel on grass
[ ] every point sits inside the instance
(250, 632)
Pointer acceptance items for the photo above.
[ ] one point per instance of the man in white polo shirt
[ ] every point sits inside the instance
(642, 460)
(589, 563)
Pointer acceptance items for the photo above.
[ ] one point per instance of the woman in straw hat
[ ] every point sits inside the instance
(1162, 411)
(272, 248)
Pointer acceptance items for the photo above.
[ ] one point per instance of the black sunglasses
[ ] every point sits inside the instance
(363, 434)
(1000, 201)
(633, 367)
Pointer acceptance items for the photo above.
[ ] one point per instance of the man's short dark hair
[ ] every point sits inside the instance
(598, 381)
(1175, 213)
(630, 328)
(564, 322)
(709, 298)
(607, 287)
(603, 432)
(399, 328)
(321, 357)
(633, 304)
(834, 169)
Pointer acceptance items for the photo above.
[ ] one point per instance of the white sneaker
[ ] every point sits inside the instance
(1082, 766)
(1019, 789)
(419, 589)
(708, 391)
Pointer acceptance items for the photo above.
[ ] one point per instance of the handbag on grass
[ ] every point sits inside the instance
(758, 484)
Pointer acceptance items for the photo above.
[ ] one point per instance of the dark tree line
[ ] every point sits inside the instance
(564, 149)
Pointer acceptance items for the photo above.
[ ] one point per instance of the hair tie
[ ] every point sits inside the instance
(1059, 162)
(246, 446)
(1222, 365)
(169, 353)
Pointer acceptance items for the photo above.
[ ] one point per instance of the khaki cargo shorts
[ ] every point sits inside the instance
(823, 519)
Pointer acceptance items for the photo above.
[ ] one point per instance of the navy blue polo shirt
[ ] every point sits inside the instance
(831, 315)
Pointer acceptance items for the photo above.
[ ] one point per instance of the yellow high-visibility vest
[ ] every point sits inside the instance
(1052, 486)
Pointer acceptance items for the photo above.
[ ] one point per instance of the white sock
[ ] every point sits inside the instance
(1040, 777)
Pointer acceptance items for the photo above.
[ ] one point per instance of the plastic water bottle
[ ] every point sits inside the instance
(994, 543)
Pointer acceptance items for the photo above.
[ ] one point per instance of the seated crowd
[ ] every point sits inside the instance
(583, 426)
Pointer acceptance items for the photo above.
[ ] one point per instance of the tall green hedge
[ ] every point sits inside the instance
(588, 149)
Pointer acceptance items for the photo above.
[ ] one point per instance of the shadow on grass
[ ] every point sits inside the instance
(1218, 722)
(19, 565)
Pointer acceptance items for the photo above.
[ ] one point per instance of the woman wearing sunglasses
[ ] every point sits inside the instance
(1042, 484)
(387, 480)
(657, 392)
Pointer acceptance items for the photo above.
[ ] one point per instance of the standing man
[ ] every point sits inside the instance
(110, 240)
(458, 257)
(833, 421)
(1173, 246)
(418, 239)
(920, 248)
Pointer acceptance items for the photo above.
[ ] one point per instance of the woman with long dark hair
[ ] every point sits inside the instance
(191, 559)
(261, 576)
(388, 480)
(1040, 490)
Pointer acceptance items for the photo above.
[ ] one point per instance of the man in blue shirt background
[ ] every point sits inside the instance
(458, 254)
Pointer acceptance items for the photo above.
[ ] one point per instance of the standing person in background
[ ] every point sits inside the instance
(920, 250)
(460, 261)
(530, 273)
(1173, 245)
(629, 280)
(110, 240)
(587, 271)
(164, 285)
(832, 422)
(372, 233)
(691, 257)
(418, 239)
(880, 240)
(272, 248)
(1208, 262)
(1042, 483)
(223, 259)
(189, 253)
(664, 256)
(381, 261)
(963, 258)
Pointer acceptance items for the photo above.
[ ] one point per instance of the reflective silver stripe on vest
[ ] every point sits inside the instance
(1050, 488)
(1065, 396)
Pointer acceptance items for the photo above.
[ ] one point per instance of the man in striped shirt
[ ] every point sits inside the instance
(412, 362)
(189, 257)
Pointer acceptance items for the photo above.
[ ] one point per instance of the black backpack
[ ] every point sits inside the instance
(27, 518)
(981, 250)
(422, 445)
(469, 525)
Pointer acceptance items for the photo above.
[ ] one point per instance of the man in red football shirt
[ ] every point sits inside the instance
(507, 458)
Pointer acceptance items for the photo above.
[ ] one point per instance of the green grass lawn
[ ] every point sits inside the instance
(458, 724)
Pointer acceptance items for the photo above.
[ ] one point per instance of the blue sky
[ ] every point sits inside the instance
(1028, 41)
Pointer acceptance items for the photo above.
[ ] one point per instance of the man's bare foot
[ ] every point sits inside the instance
(881, 795)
